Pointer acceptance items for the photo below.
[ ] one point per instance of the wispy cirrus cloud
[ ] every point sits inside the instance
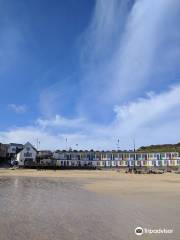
(12, 39)
(59, 97)
(124, 54)
(17, 108)
(129, 61)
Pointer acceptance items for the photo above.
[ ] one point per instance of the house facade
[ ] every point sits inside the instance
(13, 149)
(116, 159)
(27, 156)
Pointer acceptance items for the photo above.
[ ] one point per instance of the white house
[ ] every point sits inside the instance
(27, 156)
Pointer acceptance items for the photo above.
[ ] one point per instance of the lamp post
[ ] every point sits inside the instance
(37, 143)
(118, 145)
(77, 146)
(134, 146)
(66, 145)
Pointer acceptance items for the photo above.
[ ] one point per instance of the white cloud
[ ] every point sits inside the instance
(31, 134)
(103, 28)
(17, 108)
(153, 119)
(52, 141)
(59, 121)
(125, 50)
(151, 113)
(154, 106)
(129, 49)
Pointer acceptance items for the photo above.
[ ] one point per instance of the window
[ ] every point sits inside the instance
(126, 156)
(168, 155)
(138, 163)
(27, 154)
(162, 155)
(174, 155)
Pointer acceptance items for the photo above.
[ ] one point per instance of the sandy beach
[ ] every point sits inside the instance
(85, 204)
(112, 182)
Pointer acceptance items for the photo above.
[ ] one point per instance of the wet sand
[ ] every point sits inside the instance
(87, 204)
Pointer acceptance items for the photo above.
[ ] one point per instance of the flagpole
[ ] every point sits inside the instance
(66, 145)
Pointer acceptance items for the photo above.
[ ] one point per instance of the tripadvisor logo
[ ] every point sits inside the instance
(139, 231)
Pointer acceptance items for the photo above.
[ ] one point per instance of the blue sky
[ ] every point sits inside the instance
(91, 72)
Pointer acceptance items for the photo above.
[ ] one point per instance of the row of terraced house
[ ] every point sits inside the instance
(116, 159)
(27, 155)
